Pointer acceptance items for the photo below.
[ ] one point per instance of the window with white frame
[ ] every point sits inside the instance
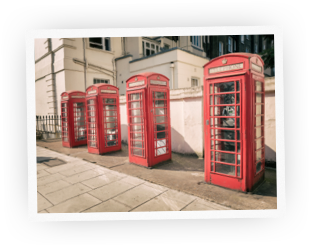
(100, 81)
(196, 41)
(242, 39)
(194, 82)
(230, 44)
(263, 44)
(220, 48)
(149, 48)
(102, 43)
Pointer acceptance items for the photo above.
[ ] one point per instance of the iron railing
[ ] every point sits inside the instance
(48, 126)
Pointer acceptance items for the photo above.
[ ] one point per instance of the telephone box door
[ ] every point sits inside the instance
(110, 128)
(80, 132)
(137, 132)
(65, 122)
(160, 124)
(223, 130)
(92, 115)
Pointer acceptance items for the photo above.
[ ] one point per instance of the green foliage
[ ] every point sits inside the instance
(268, 54)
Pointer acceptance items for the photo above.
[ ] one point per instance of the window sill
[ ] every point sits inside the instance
(100, 50)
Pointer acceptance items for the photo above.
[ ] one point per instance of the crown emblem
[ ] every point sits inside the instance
(224, 61)
(136, 79)
(158, 77)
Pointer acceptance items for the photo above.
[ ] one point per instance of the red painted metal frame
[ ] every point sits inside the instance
(71, 131)
(147, 86)
(102, 102)
(247, 70)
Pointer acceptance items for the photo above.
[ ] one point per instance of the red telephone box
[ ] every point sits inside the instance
(234, 121)
(73, 117)
(149, 129)
(103, 118)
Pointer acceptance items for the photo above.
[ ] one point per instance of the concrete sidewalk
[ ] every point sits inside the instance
(164, 187)
(81, 186)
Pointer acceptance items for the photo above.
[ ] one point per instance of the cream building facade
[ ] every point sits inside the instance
(63, 64)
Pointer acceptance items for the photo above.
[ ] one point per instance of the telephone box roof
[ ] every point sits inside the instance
(244, 55)
(147, 74)
(70, 92)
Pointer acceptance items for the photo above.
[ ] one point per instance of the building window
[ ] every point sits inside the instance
(100, 81)
(230, 45)
(194, 82)
(220, 48)
(149, 48)
(196, 41)
(256, 48)
(263, 44)
(100, 43)
(234, 42)
(247, 37)
(242, 39)
(166, 47)
(247, 50)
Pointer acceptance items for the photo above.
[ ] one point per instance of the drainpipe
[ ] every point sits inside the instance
(172, 76)
(85, 63)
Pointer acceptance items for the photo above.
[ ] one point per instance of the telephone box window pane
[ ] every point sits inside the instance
(160, 143)
(259, 132)
(159, 103)
(161, 151)
(135, 105)
(110, 113)
(237, 122)
(225, 146)
(211, 156)
(160, 127)
(110, 125)
(238, 171)
(138, 144)
(225, 169)
(258, 155)
(259, 98)
(238, 135)
(161, 135)
(224, 111)
(224, 99)
(160, 95)
(224, 122)
(138, 152)
(211, 168)
(258, 167)
(212, 146)
(237, 85)
(160, 111)
(225, 157)
(212, 133)
(237, 98)
(136, 128)
(259, 109)
(136, 96)
(138, 136)
(258, 86)
(63, 105)
(160, 119)
(259, 120)
(237, 110)
(225, 134)
(111, 119)
(224, 87)
(258, 144)
(211, 88)
(136, 112)
(238, 147)
(136, 120)
(211, 100)
(238, 158)
(211, 111)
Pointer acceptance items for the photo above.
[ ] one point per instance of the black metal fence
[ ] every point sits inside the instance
(48, 126)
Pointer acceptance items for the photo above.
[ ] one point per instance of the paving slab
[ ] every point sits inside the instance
(52, 187)
(43, 212)
(83, 176)
(42, 173)
(132, 180)
(42, 167)
(179, 196)
(66, 166)
(111, 190)
(75, 205)
(101, 180)
(49, 179)
(137, 196)
(42, 203)
(108, 206)
(64, 194)
(160, 203)
(77, 169)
